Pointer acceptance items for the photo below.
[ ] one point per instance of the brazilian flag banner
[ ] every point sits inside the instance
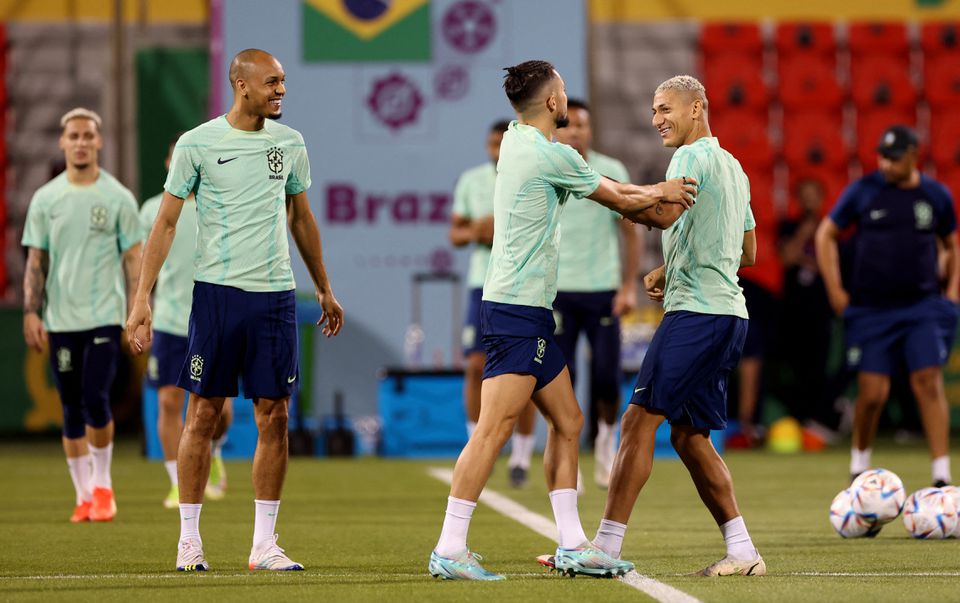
(366, 30)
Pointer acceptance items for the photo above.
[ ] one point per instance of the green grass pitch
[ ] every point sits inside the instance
(364, 530)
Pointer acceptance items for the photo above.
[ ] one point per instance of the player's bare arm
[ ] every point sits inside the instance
(140, 321)
(749, 255)
(464, 230)
(34, 284)
(649, 204)
(131, 270)
(655, 282)
(306, 235)
(951, 252)
(626, 297)
(828, 258)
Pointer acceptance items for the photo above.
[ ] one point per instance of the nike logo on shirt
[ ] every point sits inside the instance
(291, 379)
(221, 160)
(99, 340)
(877, 214)
(638, 390)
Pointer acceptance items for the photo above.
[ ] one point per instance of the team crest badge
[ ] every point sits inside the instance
(541, 350)
(196, 367)
(98, 217)
(923, 214)
(275, 160)
(64, 362)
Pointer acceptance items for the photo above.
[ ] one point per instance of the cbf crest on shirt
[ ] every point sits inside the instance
(241, 180)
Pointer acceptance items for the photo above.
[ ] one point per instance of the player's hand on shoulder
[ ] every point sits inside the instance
(139, 328)
(331, 320)
(654, 283)
(33, 332)
(680, 190)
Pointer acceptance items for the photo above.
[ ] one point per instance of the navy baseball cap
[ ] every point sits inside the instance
(896, 141)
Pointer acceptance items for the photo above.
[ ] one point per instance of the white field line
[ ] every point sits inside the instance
(664, 593)
(214, 576)
(873, 574)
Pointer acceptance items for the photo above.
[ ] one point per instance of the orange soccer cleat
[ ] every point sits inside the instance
(104, 506)
(81, 512)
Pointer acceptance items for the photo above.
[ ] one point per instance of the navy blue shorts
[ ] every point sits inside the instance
(471, 338)
(591, 313)
(166, 359)
(881, 339)
(684, 374)
(84, 364)
(235, 333)
(519, 340)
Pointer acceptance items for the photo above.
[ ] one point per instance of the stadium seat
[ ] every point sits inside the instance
(942, 81)
(744, 134)
(870, 125)
(767, 272)
(944, 147)
(876, 81)
(731, 83)
(940, 38)
(726, 38)
(809, 81)
(951, 179)
(814, 140)
(818, 38)
(888, 39)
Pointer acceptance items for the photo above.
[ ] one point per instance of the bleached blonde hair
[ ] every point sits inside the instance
(80, 113)
(686, 83)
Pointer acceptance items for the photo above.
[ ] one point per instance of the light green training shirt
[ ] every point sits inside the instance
(702, 249)
(473, 199)
(590, 252)
(84, 230)
(534, 179)
(173, 295)
(241, 180)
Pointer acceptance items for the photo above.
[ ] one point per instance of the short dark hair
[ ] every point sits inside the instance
(525, 80)
(501, 126)
(576, 103)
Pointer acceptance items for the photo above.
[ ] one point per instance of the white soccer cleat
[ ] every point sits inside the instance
(269, 556)
(735, 567)
(190, 556)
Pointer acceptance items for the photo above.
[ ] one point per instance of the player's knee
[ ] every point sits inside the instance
(98, 412)
(170, 402)
(74, 422)
(273, 419)
(202, 420)
(568, 426)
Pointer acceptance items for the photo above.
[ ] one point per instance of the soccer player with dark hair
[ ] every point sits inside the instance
(893, 308)
(535, 178)
(249, 175)
(83, 237)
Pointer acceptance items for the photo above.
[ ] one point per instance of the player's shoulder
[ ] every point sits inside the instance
(51, 189)
(283, 133)
(868, 184)
(605, 164)
(205, 134)
(935, 189)
(479, 172)
(110, 185)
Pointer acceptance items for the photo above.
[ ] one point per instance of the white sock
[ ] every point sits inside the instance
(859, 460)
(471, 427)
(101, 465)
(609, 538)
(171, 467)
(739, 545)
(521, 450)
(604, 434)
(265, 523)
(80, 471)
(190, 521)
(564, 503)
(940, 468)
(456, 522)
(217, 446)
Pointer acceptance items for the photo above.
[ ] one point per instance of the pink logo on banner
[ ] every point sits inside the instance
(469, 26)
(451, 82)
(441, 260)
(395, 101)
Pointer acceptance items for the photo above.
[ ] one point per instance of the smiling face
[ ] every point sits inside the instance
(262, 85)
(81, 142)
(675, 116)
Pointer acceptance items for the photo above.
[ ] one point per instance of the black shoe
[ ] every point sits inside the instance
(940, 483)
(518, 477)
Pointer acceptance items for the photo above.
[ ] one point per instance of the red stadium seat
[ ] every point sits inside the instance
(767, 272)
(870, 125)
(942, 81)
(889, 39)
(809, 82)
(726, 38)
(940, 38)
(814, 140)
(951, 179)
(944, 146)
(731, 83)
(833, 181)
(817, 38)
(744, 134)
(879, 82)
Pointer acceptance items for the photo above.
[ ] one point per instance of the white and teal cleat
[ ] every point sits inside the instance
(190, 556)
(269, 556)
(588, 560)
(465, 566)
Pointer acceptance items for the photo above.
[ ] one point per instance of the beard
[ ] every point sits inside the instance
(562, 121)
(276, 116)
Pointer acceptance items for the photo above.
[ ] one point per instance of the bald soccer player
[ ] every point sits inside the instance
(249, 175)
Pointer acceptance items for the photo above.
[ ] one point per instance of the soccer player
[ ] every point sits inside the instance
(596, 284)
(83, 241)
(683, 378)
(171, 299)
(894, 311)
(249, 175)
(535, 177)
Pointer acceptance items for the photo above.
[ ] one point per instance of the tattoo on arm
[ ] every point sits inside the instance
(35, 280)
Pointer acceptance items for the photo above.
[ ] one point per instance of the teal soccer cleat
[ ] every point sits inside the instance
(588, 560)
(465, 566)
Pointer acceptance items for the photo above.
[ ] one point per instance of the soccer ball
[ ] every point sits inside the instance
(930, 513)
(954, 493)
(847, 522)
(878, 496)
